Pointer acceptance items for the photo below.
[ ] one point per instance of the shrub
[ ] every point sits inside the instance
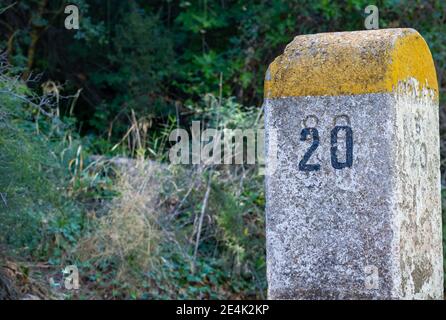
(35, 215)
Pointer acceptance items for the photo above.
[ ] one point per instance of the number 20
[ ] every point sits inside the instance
(306, 132)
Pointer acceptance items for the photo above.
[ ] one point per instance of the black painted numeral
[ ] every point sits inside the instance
(314, 134)
(303, 166)
(349, 147)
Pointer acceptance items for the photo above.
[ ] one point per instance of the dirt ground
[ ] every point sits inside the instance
(19, 280)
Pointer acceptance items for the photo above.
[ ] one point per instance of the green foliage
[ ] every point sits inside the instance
(35, 215)
(140, 53)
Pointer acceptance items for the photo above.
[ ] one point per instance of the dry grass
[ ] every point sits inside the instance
(129, 234)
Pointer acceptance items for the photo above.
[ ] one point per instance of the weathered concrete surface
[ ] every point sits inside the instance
(369, 228)
(417, 202)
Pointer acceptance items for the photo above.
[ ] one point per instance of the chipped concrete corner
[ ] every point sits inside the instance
(353, 206)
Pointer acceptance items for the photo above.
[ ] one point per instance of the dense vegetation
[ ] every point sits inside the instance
(116, 87)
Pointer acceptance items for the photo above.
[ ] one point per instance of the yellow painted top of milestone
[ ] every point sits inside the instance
(348, 63)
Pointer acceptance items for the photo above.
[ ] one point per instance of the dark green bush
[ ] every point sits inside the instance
(35, 213)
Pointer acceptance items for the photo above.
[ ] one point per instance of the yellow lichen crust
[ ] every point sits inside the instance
(348, 63)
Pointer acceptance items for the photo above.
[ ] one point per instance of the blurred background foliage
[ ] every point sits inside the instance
(116, 88)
